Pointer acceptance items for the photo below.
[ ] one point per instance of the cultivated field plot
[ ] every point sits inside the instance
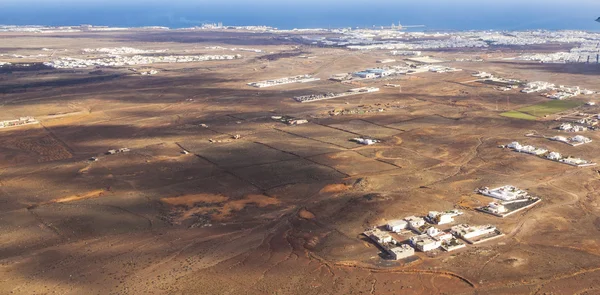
(268, 176)
(440, 143)
(89, 220)
(303, 147)
(352, 163)
(237, 153)
(542, 109)
(232, 126)
(405, 158)
(365, 128)
(322, 133)
(146, 172)
(518, 115)
(423, 122)
(32, 145)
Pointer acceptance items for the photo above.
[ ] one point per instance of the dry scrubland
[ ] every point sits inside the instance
(280, 210)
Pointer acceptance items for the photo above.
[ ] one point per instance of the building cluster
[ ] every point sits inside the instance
(586, 53)
(58, 29)
(317, 97)
(365, 109)
(234, 49)
(120, 61)
(553, 156)
(548, 89)
(406, 52)
(555, 92)
(426, 235)
(509, 200)
(418, 66)
(18, 122)
(286, 80)
(574, 141)
(220, 26)
(120, 50)
(572, 127)
(453, 41)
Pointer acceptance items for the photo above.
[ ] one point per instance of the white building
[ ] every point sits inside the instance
(438, 235)
(365, 75)
(379, 236)
(442, 217)
(385, 61)
(396, 225)
(415, 222)
(496, 208)
(401, 252)
(554, 156)
(580, 139)
(425, 243)
(466, 231)
(559, 138)
(365, 141)
(505, 193)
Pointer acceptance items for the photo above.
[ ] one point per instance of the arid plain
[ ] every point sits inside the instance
(278, 209)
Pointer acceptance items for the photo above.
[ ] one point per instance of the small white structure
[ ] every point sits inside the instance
(385, 61)
(379, 236)
(580, 139)
(559, 138)
(497, 208)
(442, 217)
(466, 231)
(415, 222)
(571, 127)
(438, 235)
(397, 225)
(365, 75)
(424, 243)
(576, 162)
(401, 252)
(504, 193)
(555, 156)
(365, 141)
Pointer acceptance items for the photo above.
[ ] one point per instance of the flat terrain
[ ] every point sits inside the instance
(215, 197)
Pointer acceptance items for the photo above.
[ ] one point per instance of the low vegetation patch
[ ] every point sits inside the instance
(518, 115)
(549, 107)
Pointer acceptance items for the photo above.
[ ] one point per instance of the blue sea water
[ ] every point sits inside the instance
(434, 14)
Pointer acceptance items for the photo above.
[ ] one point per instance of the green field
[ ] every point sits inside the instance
(542, 109)
(549, 107)
(518, 115)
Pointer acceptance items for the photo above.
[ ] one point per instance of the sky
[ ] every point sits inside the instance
(435, 14)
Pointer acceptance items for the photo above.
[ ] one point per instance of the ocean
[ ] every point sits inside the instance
(435, 15)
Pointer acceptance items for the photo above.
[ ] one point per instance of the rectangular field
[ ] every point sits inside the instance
(518, 115)
(549, 107)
